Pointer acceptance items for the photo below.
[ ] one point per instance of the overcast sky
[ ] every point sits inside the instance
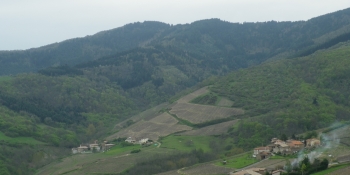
(32, 23)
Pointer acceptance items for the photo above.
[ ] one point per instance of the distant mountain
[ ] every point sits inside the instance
(238, 45)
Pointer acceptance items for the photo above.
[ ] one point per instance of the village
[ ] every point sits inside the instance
(105, 145)
(277, 147)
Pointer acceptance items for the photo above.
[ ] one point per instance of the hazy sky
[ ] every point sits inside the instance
(32, 23)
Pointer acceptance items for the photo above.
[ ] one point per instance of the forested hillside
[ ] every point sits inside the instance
(78, 50)
(289, 96)
(235, 44)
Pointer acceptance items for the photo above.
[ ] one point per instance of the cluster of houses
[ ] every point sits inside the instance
(141, 141)
(277, 146)
(105, 146)
(284, 147)
(88, 148)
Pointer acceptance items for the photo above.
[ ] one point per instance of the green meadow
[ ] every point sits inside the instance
(239, 161)
(19, 140)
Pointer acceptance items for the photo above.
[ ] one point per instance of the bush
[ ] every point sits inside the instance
(135, 151)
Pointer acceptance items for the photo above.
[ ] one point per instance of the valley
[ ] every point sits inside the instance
(192, 98)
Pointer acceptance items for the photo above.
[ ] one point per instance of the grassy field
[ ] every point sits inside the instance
(283, 157)
(20, 140)
(239, 161)
(331, 169)
(187, 143)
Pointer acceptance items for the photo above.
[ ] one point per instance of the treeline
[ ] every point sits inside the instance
(60, 70)
(161, 163)
(341, 38)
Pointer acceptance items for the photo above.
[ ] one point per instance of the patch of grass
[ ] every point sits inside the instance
(120, 149)
(239, 161)
(19, 140)
(283, 157)
(187, 143)
(331, 169)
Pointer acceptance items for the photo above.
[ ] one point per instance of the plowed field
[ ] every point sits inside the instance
(196, 114)
(162, 125)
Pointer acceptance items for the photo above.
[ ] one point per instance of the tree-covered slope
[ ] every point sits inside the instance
(78, 50)
(235, 45)
(289, 96)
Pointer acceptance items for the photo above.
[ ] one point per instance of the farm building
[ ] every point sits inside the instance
(313, 142)
(130, 140)
(143, 141)
(252, 171)
(295, 143)
(263, 155)
(105, 146)
(278, 172)
(81, 149)
(261, 149)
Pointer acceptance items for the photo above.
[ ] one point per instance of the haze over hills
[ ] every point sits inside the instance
(85, 86)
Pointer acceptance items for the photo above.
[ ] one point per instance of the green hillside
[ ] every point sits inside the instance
(289, 96)
(217, 42)
(84, 87)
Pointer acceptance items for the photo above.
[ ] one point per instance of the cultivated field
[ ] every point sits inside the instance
(191, 96)
(161, 125)
(100, 163)
(204, 169)
(225, 102)
(216, 129)
(267, 163)
(145, 115)
(196, 114)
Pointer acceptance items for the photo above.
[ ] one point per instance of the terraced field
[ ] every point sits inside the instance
(145, 115)
(225, 102)
(196, 114)
(216, 129)
(197, 93)
(161, 125)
